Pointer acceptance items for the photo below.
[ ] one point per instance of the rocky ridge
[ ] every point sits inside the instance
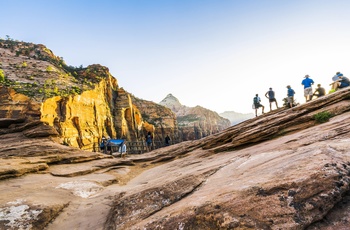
(81, 104)
(194, 122)
(281, 170)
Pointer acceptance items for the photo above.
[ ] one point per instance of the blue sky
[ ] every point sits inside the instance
(213, 53)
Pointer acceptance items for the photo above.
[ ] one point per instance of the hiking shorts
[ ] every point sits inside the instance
(272, 100)
(308, 91)
(290, 99)
(258, 105)
(343, 85)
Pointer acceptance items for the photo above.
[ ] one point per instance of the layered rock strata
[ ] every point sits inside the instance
(82, 104)
(194, 122)
(281, 170)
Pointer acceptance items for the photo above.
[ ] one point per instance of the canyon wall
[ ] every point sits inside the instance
(82, 104)
(195, 122)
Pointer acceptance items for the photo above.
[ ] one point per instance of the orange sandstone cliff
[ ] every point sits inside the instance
(82, 104)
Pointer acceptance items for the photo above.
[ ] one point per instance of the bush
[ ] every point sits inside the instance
(2, 76)
(322, 116)
(49, 69)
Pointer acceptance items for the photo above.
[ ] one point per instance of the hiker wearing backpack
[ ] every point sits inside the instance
(307, 83)
(290, 96)
(342, 82)
(257, 104)
(335, 80)
(271, 96)
(149, 141)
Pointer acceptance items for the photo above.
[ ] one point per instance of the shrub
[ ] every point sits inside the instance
(2, 76)
(49, 69)
(322, 116)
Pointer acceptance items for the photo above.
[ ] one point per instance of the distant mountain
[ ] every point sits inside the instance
(195, 122)
(172, 103)
(235, 117)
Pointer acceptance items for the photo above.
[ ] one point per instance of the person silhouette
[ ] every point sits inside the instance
(271, 96)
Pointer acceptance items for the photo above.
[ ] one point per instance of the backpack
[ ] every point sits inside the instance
(256, 100)
(149, 139)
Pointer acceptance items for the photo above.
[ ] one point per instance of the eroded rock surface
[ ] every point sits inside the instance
(282, 170)
(83, 104)
(195, 122)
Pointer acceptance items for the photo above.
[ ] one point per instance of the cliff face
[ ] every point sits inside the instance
(82, 120)
(158, 119)
(82, 104)
(286, 169)
(195, 122)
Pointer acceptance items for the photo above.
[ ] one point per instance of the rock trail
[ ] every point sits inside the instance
(259, 174)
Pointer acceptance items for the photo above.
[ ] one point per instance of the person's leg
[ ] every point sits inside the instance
(290, 102)
(310, 94)
(270, 106)
(342, 85)
(262, 108)
(256, 112)
(336, 85)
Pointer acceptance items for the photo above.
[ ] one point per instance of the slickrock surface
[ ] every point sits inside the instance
(282, 170)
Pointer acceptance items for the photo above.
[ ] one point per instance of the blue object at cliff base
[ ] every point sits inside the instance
(111, 142)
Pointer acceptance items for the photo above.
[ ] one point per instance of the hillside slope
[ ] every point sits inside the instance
(83, 104)
(281, 170)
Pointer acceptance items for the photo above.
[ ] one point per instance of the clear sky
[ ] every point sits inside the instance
(213, 53)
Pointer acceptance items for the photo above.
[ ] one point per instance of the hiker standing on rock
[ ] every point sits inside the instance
(307, 83)
(149, 141)
(167, 140)
(257, 105)
(271, 96)
(290, 96)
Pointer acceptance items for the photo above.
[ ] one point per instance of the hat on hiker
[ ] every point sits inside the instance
(288, 86)
(306, 76)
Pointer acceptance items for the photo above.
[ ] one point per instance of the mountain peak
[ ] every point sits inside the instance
(171, 102)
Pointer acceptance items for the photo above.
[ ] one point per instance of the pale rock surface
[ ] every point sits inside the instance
(281, 170)
(172, 103)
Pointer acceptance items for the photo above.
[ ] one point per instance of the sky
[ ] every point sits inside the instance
(214, 53)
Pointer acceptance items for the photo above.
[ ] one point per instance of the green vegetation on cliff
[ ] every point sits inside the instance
(33, 70)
